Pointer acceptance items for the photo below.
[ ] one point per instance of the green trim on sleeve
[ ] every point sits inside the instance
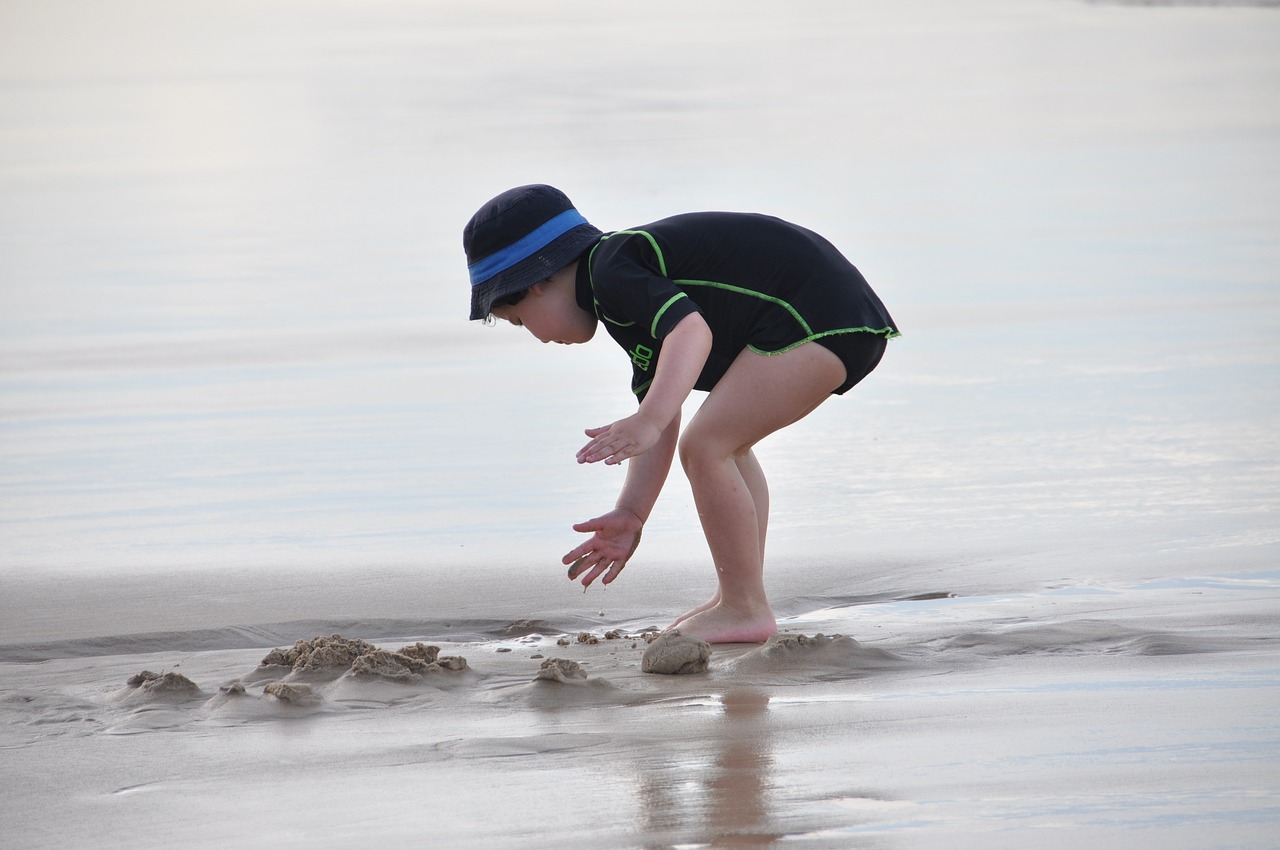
(653, 328)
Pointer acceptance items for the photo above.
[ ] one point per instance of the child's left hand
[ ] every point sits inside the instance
(624, 439)
(617, 534)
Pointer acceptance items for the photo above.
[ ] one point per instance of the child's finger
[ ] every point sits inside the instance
(595, 450)
(586, 526)
(576, 567)
(593, 574)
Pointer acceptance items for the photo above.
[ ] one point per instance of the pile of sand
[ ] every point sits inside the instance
(293, 693)
(561, 670)
(147, 688)
(163, 684)
(335, 655)
(674, 653)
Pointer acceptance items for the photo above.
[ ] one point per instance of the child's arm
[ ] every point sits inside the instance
(617, 533)
(684, 353)
(648, 438)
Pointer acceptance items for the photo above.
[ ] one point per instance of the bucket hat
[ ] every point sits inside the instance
(522, 236)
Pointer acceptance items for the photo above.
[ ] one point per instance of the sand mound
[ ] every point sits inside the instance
(788, 653)
(319, 654)
(147, 687)
(335, 655)
(163, 683)
(674, 653)
(581, 690)
(422, 652)
(389, 665)
(293, 693)
(411, 662)
(561, 670)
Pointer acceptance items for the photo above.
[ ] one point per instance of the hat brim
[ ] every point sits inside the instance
(537, 266)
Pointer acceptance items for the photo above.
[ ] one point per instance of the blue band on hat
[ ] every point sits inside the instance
(537, 239)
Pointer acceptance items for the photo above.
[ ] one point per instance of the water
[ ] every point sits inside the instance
(232, 299)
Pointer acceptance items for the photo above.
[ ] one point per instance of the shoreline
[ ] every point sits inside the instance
(1016, 712)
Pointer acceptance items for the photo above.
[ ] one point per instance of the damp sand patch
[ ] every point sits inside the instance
(153, 701)
(559, 683)
(820, 657)
(1084, 637)
(566, 677)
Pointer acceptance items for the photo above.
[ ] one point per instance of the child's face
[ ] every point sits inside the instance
(550, 311)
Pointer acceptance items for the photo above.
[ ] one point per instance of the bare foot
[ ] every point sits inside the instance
(710, 603)
(722, 624)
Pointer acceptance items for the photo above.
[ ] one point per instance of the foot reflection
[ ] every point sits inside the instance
(739, 781)
(717, 794)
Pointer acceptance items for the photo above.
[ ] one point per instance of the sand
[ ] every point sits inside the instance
(1140, 714)
(673, 653)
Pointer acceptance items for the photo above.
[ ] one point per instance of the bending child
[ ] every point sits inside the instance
(766, 317)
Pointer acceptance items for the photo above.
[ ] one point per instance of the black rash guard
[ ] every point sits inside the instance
(759, 282)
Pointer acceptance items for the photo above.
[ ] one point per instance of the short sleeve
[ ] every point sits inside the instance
(631, 288)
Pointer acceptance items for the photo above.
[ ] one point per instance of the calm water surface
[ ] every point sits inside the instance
(233, 311)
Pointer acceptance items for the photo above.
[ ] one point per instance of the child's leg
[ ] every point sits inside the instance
(753, 476)
(758, 395)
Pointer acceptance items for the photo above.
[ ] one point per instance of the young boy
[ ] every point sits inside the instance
(765, 316)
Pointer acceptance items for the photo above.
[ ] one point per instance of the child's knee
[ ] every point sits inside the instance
(691, 449)
(698, 448)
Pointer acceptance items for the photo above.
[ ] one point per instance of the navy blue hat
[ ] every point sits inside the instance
(522, 236)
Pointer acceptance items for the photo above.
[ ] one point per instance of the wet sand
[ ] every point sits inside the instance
(1136, 715)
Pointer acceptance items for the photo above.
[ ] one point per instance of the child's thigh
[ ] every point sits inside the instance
(761, 393)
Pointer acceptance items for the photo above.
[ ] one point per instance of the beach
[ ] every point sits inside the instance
(1025, 573)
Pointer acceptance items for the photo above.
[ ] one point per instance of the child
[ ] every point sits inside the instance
(765, 316)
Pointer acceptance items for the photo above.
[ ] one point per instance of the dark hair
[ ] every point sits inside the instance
(510, 300)
(514, 298)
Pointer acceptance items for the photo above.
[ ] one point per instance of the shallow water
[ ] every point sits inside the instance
(240, 403)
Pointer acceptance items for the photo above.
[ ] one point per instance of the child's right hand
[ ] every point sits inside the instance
(615, 538)
(626, 438)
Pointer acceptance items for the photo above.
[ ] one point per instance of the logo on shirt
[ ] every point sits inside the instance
(642, 356)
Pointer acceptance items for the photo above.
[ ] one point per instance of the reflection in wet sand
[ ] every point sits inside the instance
(740, 782)
(718, 794)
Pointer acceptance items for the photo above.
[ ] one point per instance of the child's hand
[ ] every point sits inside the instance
(617, 534)
(615, 443)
